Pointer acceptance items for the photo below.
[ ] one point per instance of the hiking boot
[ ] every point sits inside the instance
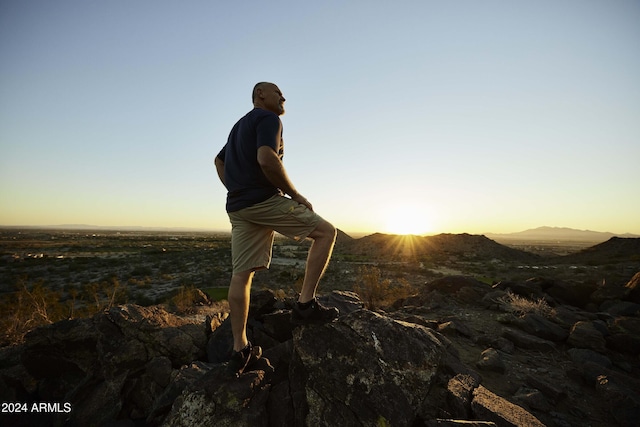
(312, 313)
(241, 360)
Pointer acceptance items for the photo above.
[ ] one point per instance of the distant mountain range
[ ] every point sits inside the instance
(559, 234)
(547, 234)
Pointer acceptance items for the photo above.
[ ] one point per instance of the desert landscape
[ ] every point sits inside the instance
(520, 330)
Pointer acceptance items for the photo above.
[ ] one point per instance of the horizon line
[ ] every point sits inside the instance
(90, 227)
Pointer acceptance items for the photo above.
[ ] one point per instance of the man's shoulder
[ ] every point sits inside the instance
(259, 114)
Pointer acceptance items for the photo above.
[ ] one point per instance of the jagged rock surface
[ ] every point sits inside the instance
(413, 365)
(373, 360)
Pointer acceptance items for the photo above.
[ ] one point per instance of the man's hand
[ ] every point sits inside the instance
(302, 200)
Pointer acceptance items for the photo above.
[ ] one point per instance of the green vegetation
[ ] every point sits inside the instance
(216, 294)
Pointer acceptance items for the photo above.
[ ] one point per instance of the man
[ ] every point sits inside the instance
(250, 167)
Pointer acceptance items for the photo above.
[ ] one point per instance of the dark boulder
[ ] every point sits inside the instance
(541, 327)
(587, 335)
(113, 365)
(381, 371)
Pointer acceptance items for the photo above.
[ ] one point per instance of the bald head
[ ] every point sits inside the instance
(258, 88)
(269, 97)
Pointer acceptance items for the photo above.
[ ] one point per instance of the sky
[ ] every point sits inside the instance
(418, 117)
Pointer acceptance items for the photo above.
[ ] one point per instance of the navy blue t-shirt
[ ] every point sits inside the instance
(243, 177)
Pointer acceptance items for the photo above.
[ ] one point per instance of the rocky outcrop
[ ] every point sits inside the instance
(439, 358)
(393, 361)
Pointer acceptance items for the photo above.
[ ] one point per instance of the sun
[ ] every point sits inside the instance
(408, 219)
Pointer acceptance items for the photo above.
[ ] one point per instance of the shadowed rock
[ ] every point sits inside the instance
(373, 360)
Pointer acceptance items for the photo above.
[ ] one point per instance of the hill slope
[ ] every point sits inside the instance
(614, 249)
(557, 234)
(462, 246)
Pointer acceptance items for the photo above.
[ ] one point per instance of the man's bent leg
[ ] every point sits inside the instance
(239, 294)
(324, 238)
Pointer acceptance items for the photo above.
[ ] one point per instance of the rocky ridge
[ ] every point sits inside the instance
(456, 353)
(442, 246)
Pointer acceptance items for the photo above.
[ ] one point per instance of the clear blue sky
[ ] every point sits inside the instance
(418, 116)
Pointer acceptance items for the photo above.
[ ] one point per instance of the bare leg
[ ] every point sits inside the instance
(239, 294)
(324, 237)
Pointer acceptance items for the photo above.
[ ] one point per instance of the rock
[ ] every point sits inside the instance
(140, 391)
(452, 365)
(159, 368)
(498, 343)
(220, 399)
(541, 327)
(524, 340)
(530, 289)
(542, 283)
(634, 288)
(567, 316)
(459, 423)
(261, 302)
(577, 294)
(453, 284)
(220, 344)
(624, 402)
(112, 365)
(551, 391)
(179, 380)
(609, 291)
(491, 407)
(455, 326)
(630, 325)
(276, 325)
(459, 394)
(127, 367)
(591, 373)
(161, 333)
(586, 335)
(491, 360)
(620, 308)
(624, 343)
(580, 356)
(280, 406)
(491, 300)
(532, 398)
(200, 298)
(381, 371)
(61, 357)
(345, 301)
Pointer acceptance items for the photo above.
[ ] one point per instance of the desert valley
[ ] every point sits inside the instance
(509, 330)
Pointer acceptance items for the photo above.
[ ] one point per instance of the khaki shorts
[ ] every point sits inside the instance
(252, 230)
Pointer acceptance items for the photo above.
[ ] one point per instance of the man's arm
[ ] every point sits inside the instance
(220, 169)
(275, 172)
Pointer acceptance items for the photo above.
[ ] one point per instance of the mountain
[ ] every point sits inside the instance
(462, 246)
(558, 234)
(616, 249)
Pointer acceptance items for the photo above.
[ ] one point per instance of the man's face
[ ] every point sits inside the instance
(272, 99)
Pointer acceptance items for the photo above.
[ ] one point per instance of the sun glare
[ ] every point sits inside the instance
(408, 220)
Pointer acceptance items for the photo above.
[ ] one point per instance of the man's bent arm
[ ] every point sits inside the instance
(275, 172)
(220, 169)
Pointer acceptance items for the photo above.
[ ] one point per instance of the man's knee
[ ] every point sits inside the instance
(324, 230)
(239, 282)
